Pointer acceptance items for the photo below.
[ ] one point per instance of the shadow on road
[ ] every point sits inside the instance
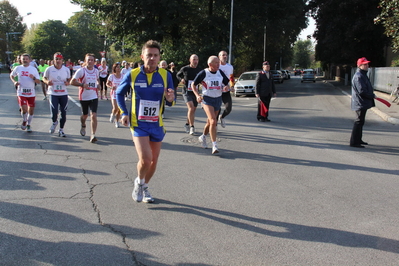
(288, 230)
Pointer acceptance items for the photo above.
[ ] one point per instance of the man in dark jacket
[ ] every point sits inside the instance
(265, 90)
(362, 99)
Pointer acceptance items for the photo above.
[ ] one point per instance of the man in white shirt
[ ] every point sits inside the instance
(28, 77)
(87, 79)
(57, 78)
(226, 96)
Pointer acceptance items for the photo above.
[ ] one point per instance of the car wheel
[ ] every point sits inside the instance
(301, 81)
(314, 81)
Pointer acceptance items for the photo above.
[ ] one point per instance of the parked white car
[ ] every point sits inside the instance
(246, 84)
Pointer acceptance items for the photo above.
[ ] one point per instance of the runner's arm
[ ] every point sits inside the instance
(109, 82)
(180, 74)
(121, 91)
(198, 79)
(76, 77)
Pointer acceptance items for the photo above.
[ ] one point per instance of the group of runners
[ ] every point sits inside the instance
(151, 87)
(56, 78)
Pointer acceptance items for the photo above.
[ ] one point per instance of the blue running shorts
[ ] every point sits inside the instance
(215, 102)
(156, 134)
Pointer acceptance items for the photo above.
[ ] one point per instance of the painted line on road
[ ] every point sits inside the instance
(253, 104)
(74, 101)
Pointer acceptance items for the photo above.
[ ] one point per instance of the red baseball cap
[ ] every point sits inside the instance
(362, 61)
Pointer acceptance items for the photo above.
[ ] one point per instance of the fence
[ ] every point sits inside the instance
(382, 78)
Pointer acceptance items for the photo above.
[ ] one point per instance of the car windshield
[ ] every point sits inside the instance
(308, 72)
(248, 76)
(274, 71)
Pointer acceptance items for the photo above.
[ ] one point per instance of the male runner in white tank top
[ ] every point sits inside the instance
(87, 79)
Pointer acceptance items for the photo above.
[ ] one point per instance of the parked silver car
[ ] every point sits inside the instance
(246, 84)
(308, 75)
(277, 76)
(287, 74)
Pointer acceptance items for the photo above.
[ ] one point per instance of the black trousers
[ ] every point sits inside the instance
(228, 104)
(357, 130)
(266, 101)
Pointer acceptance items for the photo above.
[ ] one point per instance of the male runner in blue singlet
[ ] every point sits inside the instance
(149, 85)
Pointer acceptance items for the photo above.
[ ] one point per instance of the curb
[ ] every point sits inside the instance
(377, 111)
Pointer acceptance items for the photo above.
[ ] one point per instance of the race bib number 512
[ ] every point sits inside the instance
(148, 111)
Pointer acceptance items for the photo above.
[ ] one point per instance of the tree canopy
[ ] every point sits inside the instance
(202, 27)
(389, 18)
(74, 39)
(302, 52)
(10, 22)
(346, 31)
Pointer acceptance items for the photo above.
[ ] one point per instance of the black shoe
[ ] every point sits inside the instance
(357, 146)
(261, 120)
(267, 120)
(363, 143)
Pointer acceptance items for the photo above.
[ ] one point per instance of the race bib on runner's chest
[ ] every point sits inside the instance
(26, 91)
(92, 82)
(148, 111)
(189, 85)
(59, 87)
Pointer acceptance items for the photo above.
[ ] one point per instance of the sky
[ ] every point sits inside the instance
(43, 10)
(309, 30)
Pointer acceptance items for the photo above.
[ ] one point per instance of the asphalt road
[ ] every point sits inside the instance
(288, 192)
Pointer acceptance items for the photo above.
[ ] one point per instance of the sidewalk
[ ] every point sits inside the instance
(388, 114)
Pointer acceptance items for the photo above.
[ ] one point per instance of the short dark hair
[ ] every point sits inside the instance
(151, 44)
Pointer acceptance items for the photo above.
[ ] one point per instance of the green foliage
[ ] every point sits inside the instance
(48, 36)
(202, 27)
(86, 38)
(302, 52)
(346, 31)
(74, 39)
(10, 21)
(389, 18)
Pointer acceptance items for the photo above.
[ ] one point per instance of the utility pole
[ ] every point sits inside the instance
(264, 45)
(231, 31)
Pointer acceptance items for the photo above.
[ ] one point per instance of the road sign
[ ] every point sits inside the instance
(8, 52)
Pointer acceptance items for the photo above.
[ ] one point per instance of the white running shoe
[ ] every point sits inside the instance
(187, 128)
(192, 130)
(222, 122)
(28, 129)
(116, 124)
(111, 118)
(93, 139)
(147, 196)
(53, 127)
(61, 134)
(83, 130)
(137, 194)
(215, 149)
(202, 140)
